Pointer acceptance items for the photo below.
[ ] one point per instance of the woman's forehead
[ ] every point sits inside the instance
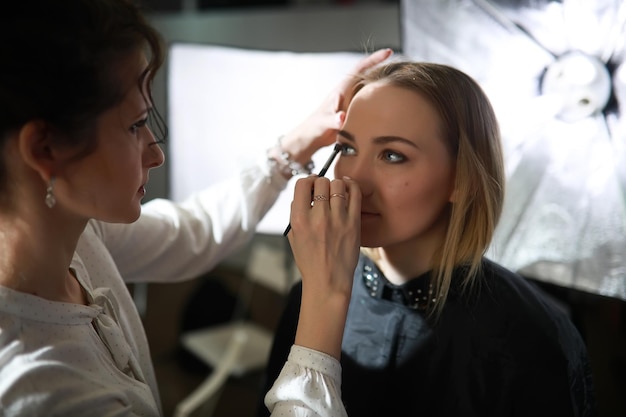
(395, 103)
(385, 109)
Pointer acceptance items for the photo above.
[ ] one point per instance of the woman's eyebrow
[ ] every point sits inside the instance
(143, 113)
(346, 135)
(381, 140)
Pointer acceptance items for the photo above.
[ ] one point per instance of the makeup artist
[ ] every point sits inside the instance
(398, 309)
(79, 138)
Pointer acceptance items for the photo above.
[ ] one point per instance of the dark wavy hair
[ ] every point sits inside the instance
(60, 65)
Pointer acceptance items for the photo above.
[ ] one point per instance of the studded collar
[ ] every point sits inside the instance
(416, 293)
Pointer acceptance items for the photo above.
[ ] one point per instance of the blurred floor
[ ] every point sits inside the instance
(239, 398)
(173, 308)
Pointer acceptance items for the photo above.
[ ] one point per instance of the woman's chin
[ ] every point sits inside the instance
(369, 241)
(127, 217)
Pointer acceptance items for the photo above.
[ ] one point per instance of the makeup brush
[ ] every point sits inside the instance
(322, 172)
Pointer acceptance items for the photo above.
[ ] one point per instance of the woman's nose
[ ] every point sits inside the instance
(357, 170)
(154, 156)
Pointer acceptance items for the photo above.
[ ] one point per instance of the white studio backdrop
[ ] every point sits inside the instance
(227, 105)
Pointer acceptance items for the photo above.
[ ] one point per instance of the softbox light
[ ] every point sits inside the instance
(227, 105)
(555, 75)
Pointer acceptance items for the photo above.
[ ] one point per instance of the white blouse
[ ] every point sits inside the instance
(308, 385)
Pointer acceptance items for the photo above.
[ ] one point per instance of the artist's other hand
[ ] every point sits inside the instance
(320, 128)
(325, 239)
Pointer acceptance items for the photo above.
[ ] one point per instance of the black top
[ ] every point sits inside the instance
(504, 350)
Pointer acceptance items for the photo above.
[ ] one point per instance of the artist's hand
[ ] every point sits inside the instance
(325, 239)
(320, 128)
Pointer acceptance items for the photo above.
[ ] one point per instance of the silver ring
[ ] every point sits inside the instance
(340, 195)
(321, 197)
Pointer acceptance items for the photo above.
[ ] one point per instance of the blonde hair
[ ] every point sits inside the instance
(470, 130)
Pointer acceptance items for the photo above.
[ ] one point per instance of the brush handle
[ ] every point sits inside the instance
(321, 174)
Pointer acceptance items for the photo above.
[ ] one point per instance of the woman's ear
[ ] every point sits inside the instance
(35, 148)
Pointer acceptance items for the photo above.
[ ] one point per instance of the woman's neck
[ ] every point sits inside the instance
(408, 259)
(400, 266)
(35, 255)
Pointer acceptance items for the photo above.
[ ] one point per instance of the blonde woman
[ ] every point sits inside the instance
(419, 323)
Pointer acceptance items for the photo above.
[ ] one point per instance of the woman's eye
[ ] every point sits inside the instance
(136, 126)
(393, 157)
(347, 149)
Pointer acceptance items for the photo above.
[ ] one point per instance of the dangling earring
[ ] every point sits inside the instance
(50, 200)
